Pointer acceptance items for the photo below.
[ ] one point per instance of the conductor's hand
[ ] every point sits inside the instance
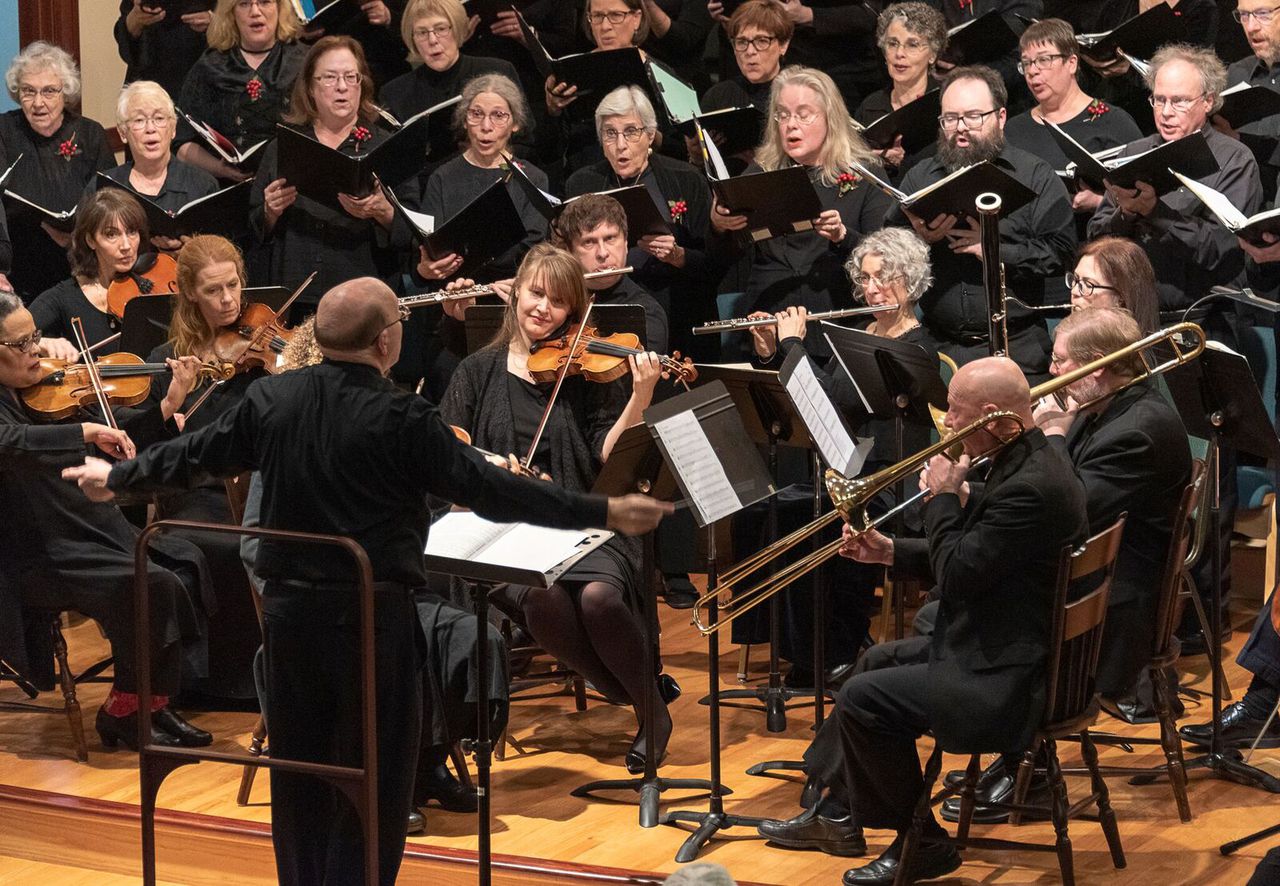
(637, 514)
(871, 546)
(91, 477)
(941, 474)
(111, 441)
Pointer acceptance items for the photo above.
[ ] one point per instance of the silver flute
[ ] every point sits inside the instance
(716, 326)
(439, 298)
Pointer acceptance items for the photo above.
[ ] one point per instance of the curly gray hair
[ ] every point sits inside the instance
(1213, 73)
(500, 85)
(627, 100)
(920, 19)
(41, 56)
(902, 253)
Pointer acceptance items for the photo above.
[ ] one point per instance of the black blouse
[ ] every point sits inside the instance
(163, 52)
(182, 184)
(877, 105)
(54, 309)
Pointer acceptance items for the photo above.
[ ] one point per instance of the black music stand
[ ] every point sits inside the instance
(145, 325)
(771, 421)
(1218, 400)
(636, 465)
(484, 321)
(710, 421)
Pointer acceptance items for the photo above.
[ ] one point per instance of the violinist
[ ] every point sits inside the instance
(590, 619)
(110, 229)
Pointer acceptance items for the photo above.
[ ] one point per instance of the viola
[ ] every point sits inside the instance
(154, 273)
(599, 358)
(65, 388)
(254, 340)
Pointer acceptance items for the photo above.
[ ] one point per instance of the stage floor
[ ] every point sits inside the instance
(69, 817)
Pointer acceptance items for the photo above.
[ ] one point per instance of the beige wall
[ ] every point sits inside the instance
(100, 63)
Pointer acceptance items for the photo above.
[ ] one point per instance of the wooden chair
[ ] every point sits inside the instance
(66, 680)
(1071, 706)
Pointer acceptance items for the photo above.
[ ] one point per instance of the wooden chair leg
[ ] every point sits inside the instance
(460, 764)
(579, 693)
(922, 814)
(1058, 811)
(744, 662)
(1106, 815)
(1026, 768)
(68, 683)
(1171, 742)
(250, 772)
(968, 795)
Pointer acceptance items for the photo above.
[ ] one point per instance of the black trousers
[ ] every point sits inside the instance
(311, 648)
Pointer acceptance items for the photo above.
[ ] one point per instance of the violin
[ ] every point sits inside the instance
(599, 358)
(255, 339)
(65, 388)
(153, 273)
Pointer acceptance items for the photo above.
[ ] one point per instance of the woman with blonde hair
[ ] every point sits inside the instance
(808, 126)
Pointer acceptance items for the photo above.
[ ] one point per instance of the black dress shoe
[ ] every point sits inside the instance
(679, 591)
(124, 730)
(635, 758)
(955, 777)
(668, 689)
(439, 784)
(417, 822)
(187, 735)
(1239, 729)
(835, 676)
(813, 830)
(929, 860)
(1000, 790)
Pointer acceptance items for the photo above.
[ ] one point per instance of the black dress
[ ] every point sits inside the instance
(46, 176)
(880, 103)
(163, 52)
(54, 308)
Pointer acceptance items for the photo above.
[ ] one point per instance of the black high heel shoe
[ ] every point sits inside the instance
(124, 730)
(167, 720)
(635, 758)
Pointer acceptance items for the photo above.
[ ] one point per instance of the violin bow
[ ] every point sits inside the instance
(106, 341)
(294, 297)
(91, 369)
(560, 377)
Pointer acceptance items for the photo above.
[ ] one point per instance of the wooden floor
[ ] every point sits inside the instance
(48, 836)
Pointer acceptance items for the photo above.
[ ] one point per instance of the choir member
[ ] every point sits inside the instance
(161, 44)
(1016, 14)
(241, 84)
(375, 25)
(60, 151)
(678, 31)
(1260, 23)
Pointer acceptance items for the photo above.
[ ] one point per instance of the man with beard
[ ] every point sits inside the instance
(1260, 23)
(1036, 241)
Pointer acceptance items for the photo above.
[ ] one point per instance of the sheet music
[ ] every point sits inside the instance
(696, 463)
(715, 163)
(818, 413)
(462, 535)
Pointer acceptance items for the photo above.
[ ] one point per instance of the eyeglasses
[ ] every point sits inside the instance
(439, 32)
(497, 118)
(139, 124)
(29, 93)
(615, 17)
(804, 118)
(264, 5)
(329, 79)
(402, 315)
(631, 134)
(759, 43)
(861, 280)
(1261, 16)
(1087, 288)
(1179, 105)
(1039, 63)
(972, 119)
(911, 47)
(25, 345)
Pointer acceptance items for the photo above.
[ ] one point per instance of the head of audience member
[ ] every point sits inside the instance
(593, 228)
(19, 344)
(760, 34)
(1088, 335)
(110, 228)
(911, 36)
(1116, 272)
(615, 24)
(990, 384)
(1186, 84)
(890, 267)
(701, 873)
(1260, 20)
(253, 25)
(210, 279)
(492, 110)
(1050, 57)
(973, 116)
(360, 321)
(810, 126)
(44, 80)
(626, 125)
(146, 120)
(334, 88)
(547, 293)
(434, 31)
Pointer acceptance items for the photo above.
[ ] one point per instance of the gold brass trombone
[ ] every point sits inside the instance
(851, 496)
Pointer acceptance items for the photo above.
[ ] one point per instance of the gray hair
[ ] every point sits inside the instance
(140, 90)
(702, 873)
(920, 19)
(501, 86)
(39, 56)
(627, 100)
(902, 252)
(1213, 73)
(9, 303)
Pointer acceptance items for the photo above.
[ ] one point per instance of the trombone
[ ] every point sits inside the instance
(852, 496)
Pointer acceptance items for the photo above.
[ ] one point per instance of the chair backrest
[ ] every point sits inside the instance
(1175, 559)
(1076, 636)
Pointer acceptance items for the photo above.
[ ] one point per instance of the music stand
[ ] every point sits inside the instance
(145, 325)
(695, 431)
(770, 420)
(636, 465)
(1218, 400)
(484, 321)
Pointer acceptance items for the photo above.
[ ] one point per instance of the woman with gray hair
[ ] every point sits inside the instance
(60, 153)
(665, 263)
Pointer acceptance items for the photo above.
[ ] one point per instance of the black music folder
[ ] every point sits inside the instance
(957, 193)
(1250, 227)
(739, 129)
(594, 73)
(644, 216)
(60, 219)
(984, 39)
(488, 9)
(224, 212)
(882, 368)
(916, 122)
(775, 203)
(480, 232)
(730, 6)
(1140, 36)
(179, 7)
(1189, 155)
(328, 14)
(248, 159)
(1243, 104)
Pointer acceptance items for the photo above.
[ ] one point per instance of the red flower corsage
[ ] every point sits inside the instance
(255, 89)
(678, 209)
(69, 148)
(846, 182)
(1096, 109)
(964, 4)
(361, 135)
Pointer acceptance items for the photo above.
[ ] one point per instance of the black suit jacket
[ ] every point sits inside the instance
(995, 562)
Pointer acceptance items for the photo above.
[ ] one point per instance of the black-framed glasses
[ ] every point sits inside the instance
(1088, 288)
(27, 344)
(1039, 63)
(1261, 16)
(972, 119)
(615, 17)
(759, 43)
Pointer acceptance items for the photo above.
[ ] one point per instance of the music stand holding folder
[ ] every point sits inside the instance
(636, 465)
(703, 441)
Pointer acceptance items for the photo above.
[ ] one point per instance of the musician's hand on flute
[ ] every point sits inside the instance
(792, 322)
(871, 546)
(457, 309)
(966, 238)
(933, 231)
(763, 338)
(502, 288)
